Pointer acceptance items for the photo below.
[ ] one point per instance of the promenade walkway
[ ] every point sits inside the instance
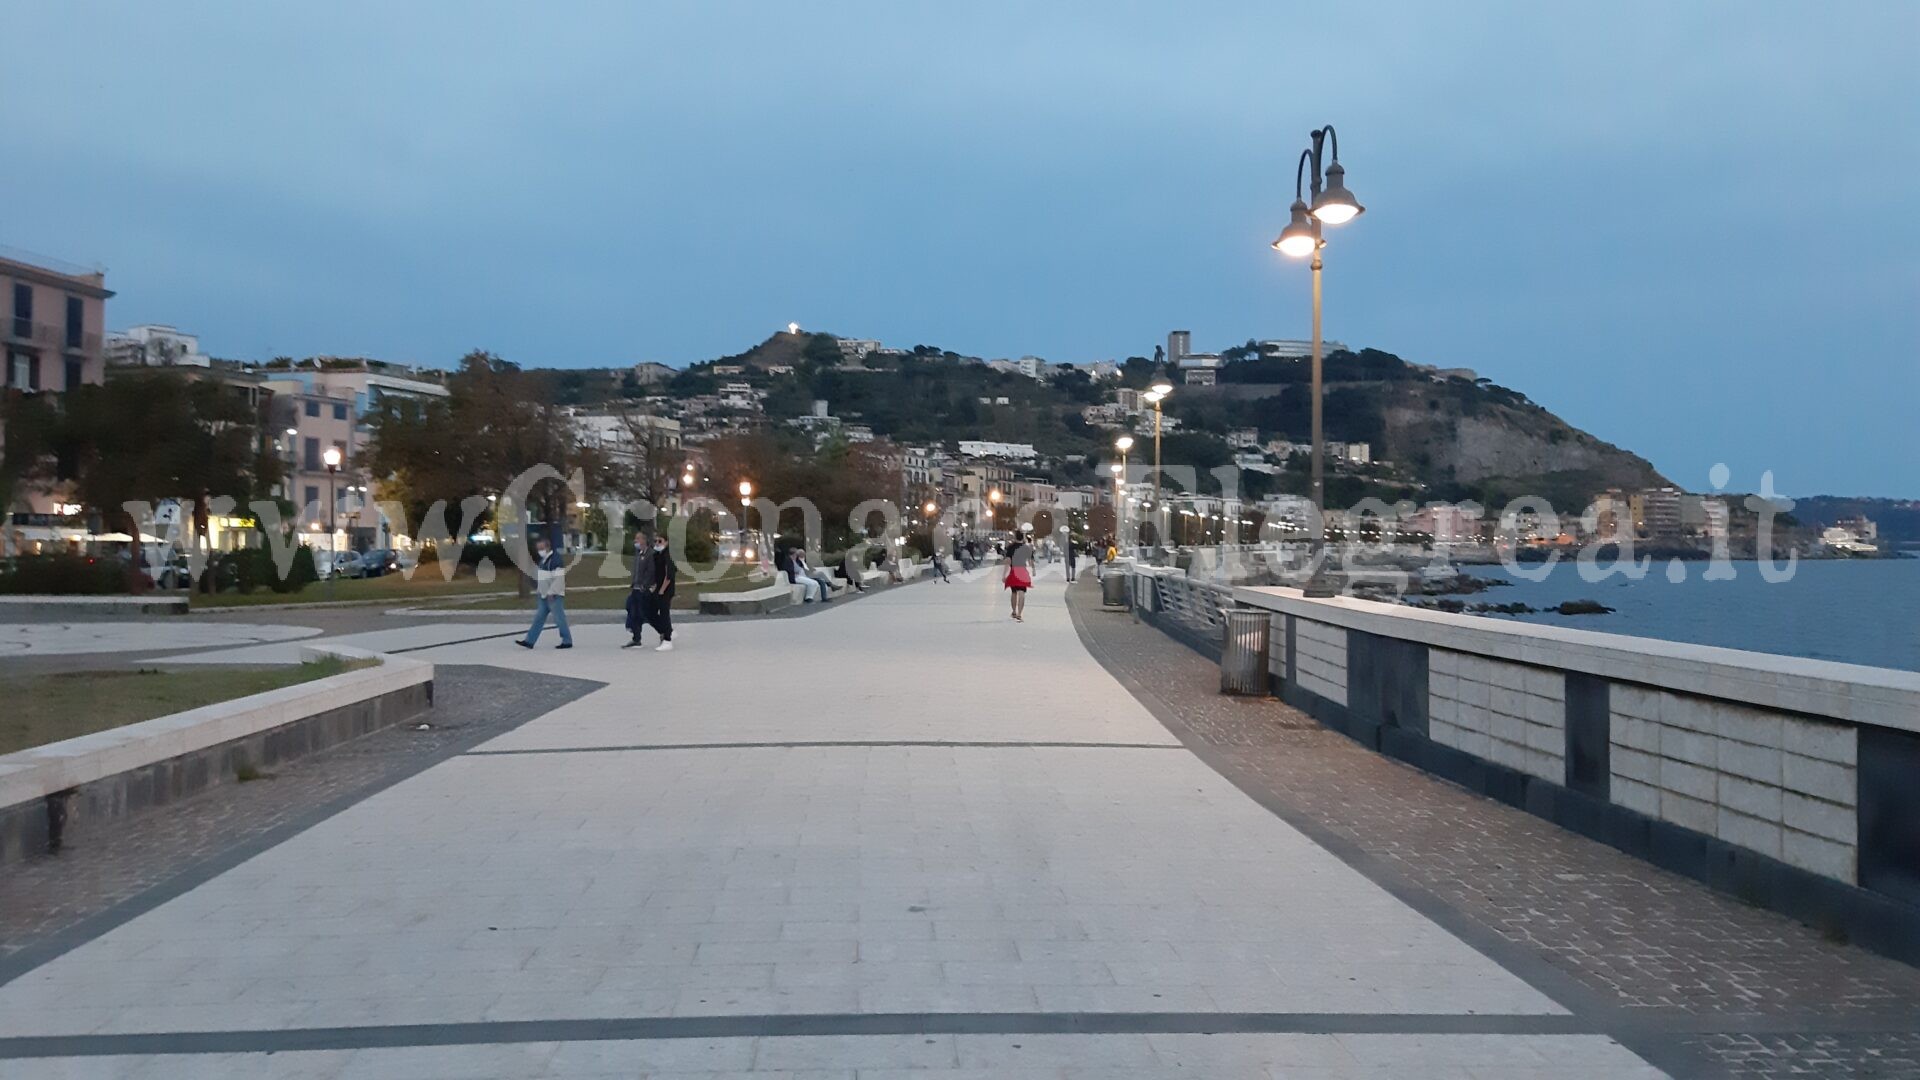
(902, 838)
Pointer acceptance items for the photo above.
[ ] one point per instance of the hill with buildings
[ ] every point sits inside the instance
(1402, 429)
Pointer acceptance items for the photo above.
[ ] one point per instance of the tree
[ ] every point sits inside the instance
(496, 423)
(29, 427)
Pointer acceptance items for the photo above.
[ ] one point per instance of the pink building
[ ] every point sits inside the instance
(55, 319)
(51, 322)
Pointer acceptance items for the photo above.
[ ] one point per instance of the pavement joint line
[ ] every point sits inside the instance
(828, 744)
(1660, 1047)
(789, 1025)
(193, 875)
(781, 1025)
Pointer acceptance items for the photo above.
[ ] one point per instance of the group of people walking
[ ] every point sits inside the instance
(649, 595)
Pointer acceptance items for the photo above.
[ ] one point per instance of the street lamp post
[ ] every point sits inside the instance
(1157, 394)
(746, 500)
(332, 459)
(1124, 443)
(1331, 204)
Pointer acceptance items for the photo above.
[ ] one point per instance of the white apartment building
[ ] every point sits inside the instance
(980, 448)
(1297, 349)
(154, 345)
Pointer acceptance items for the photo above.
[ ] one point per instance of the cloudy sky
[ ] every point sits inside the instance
(1689, 228)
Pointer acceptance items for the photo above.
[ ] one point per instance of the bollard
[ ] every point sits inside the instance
(1243, 650)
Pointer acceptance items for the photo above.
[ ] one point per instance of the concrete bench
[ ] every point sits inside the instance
(761, 601)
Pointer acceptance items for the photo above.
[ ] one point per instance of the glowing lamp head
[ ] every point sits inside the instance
(331, 457)
(1115, 470)
(1336, 205)
(746, 488)
(1124, 442)
(1297, 239)
(1161, 388)
(1152, 397)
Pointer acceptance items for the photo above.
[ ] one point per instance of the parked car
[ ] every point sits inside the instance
(378, 561)
(346, 564)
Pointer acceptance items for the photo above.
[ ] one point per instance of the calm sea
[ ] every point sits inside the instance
(1854, 611)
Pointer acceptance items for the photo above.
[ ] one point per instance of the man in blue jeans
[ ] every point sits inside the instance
(550, 584)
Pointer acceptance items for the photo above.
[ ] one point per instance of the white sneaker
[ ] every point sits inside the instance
(665, 646)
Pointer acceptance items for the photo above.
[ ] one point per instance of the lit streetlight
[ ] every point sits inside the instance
(1331, 204)
(332, 460)
(1157, 394)
(746, 500)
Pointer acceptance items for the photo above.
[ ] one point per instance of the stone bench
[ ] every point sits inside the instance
(761, 601)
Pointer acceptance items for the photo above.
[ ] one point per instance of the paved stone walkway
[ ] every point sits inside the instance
(903, 838)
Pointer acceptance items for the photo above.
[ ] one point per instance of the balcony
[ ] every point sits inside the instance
(21, 331)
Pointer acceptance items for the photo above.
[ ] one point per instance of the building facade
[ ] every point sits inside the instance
(50, 342)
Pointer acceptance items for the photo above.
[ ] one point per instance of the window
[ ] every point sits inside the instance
(20, 370)
(313, 409)
(22, 311)
(310, 454)
(76, 321)
(339, 412)
(76, 373)
(313, 497)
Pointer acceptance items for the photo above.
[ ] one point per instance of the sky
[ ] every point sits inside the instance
(1692, 229)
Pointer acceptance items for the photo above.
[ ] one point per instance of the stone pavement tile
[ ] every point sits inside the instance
(1883, 1056)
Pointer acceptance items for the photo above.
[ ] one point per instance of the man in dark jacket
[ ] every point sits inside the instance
(659, 593)
(637, 591)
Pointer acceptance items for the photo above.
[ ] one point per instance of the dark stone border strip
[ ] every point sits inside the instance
(827, 744)
(720, 1027)
(1664, 1051)
(787, 1025)
(196, 874)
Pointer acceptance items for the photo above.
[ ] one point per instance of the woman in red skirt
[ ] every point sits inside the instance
(1019, 573)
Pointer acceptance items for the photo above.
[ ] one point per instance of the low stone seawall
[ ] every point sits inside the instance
(47, 790)
(1792, 783)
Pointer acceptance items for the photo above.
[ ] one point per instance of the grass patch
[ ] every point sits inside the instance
(48, 708)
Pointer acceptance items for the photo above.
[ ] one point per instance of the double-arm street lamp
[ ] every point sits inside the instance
(1331, 204)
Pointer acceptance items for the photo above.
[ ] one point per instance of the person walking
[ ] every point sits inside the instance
(660, 594)
(1071, 552)
(1019, 573)
(940, 565)
(550, 584)
(636, 592)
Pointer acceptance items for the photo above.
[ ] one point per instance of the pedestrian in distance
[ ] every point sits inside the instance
(1071, 553)
(637, 592)
(940, 565)
(1019, 573)
(660, 593)
(550, 585)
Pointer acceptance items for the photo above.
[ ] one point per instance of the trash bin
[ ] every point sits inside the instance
(1243, 652)
(1113, 588)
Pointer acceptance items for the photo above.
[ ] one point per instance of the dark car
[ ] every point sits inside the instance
(378, 561)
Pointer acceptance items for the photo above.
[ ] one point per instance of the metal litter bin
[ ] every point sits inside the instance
(1113, 587)
(1243, 651)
